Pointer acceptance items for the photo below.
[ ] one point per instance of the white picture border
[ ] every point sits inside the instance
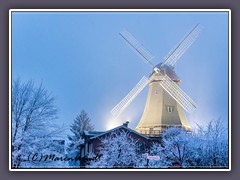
(119, 10)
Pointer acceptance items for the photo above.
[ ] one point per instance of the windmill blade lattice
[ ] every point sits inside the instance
(183, 46)
(120, 107)
(137, 47)
(178, 94)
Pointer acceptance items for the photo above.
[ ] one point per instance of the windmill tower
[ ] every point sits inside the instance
(161, 109)
(166, 101)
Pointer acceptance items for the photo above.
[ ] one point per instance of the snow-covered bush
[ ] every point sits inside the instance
(118, 150)
(207, 147)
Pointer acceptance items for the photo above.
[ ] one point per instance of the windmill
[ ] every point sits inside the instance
(166, 101)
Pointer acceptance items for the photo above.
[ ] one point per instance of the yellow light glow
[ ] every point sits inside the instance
(112, 123)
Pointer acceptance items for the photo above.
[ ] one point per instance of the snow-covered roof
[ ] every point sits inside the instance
(122, 126)
(92, 133)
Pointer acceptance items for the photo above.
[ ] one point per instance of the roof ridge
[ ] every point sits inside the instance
(121, 126)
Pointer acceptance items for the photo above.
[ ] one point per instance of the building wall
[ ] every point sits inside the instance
(91, 145)
(161, 111)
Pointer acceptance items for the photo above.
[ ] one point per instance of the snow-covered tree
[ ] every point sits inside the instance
(207, 147)
(118, 150)
(33, 126)
(212, 145)
(80, 124)
(174, 151)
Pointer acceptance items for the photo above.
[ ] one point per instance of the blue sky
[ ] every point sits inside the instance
(82, 60)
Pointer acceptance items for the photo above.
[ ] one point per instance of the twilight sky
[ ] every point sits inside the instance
(82, 60)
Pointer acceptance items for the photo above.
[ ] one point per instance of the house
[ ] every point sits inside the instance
(92, 141)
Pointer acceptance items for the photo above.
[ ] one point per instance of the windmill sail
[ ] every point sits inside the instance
(120, 107)
(178, 94)
(137, 47)
(177, 52)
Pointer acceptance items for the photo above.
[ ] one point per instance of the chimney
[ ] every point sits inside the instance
(126, 123)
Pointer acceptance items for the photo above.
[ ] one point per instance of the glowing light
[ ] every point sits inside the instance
(112, 123)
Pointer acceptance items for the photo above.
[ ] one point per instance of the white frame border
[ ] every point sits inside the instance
(121, 10)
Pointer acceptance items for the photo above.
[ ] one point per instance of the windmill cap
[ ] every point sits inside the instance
(165, 69)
